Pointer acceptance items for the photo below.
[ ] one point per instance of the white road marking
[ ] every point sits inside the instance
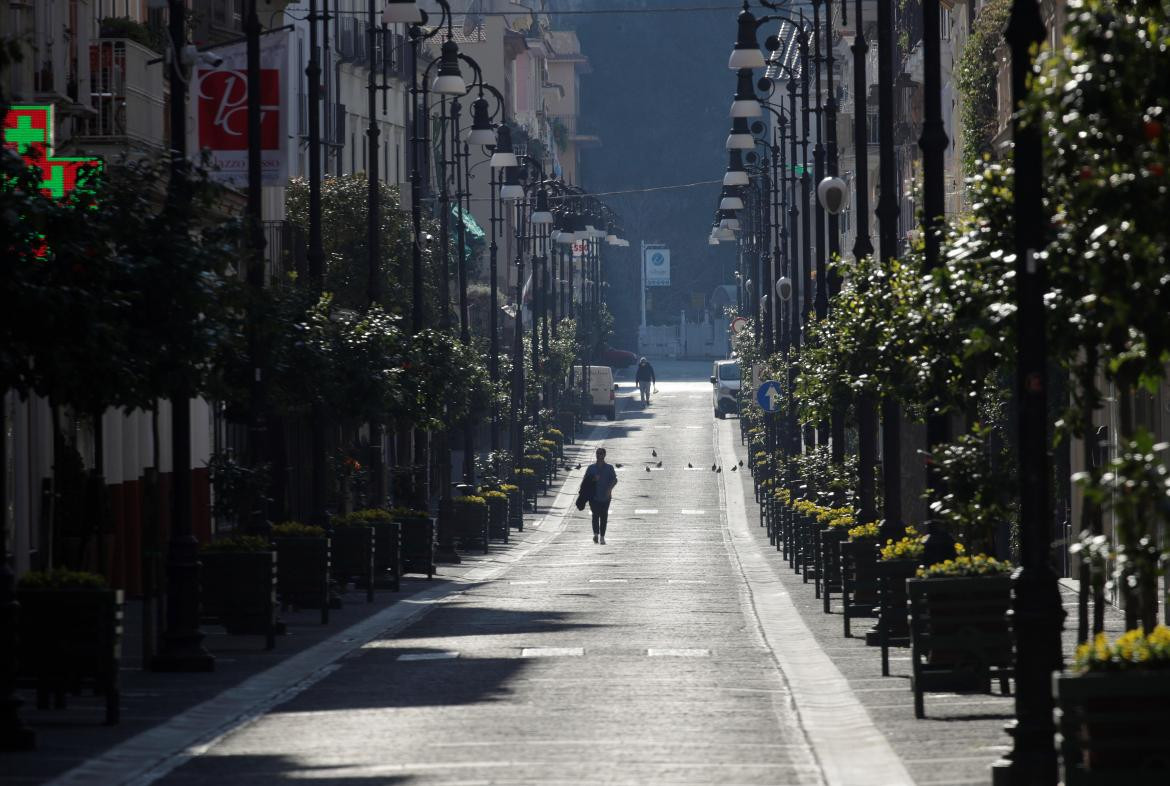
(687, 512)
(609, 581)
(677, 652)
(531, 581)
(686, 581)
(645, 511)
(445, 655)
(552, 652)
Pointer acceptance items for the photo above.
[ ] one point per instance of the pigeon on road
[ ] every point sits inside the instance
(654, 453)
(660, 463)
(741, 462)
(577, 467)
(619, 466)
(719, 470)
(712, 467)
(734, 468)
(689, 465)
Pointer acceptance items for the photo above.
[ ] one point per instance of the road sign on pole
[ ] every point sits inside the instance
(769, 396)
(738, 324)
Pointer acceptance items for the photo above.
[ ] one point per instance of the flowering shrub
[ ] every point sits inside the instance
(362, 518)
(408, 514)
(236, 544)
(495, 495)
(62, 578)
(783, 496)
(870, 530)
(910, 547)
(471, 501)
(509, 488)
(1133, 649)
(295, 529)
(979, 565)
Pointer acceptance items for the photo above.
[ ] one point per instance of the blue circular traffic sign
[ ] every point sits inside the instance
(770, 396)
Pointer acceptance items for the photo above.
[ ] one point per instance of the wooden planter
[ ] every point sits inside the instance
(529, 488)
(469, 525)
(69, 640)
(959, 635)
(516, 510)
(238, 591)
(1113, 726)
(858, 581)
(303, 580)
(418, 546)
(498, 518)
(567, 425)
(388, 554)
(829, 562)
(353, 557)
(893, 625)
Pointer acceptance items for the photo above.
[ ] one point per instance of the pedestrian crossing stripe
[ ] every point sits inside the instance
(444, 655)
(552, 652)
(686, 512)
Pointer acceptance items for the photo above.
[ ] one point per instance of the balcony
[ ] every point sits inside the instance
(126, 95)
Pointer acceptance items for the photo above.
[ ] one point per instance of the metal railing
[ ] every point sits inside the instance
(126, 94)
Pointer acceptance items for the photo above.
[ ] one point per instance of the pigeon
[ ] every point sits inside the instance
(734, 468)
(689, 465)
(712, 467)
(577, 467)
(741, 462)
(619, 466)
(719, 470)
(660, 463)
(654, 453)
(647, 469)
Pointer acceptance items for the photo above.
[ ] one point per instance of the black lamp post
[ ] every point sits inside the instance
(1037, 613)
(887, 213)
(863, 247)
(316, 260)
(181, 643)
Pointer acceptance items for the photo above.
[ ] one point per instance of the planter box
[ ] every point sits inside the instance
(469, 526)
(829, 562)
(893, 625)
(959, 635)
(303, 580)
(529, 488)
(1113, 726)
(418, 546)
(567, 425)
(388, 554)
(498, 518)
(516, 510)
(238, 591)
(858, 581)
(353, 557)
(71, 639)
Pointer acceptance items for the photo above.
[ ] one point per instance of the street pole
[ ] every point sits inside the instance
(518, 346)
(933, 143)
(833, 280)
(316, 260)
(821, 302)
(374, 246)
(887, 214)
(257, 430)
(863, 247)
(181, 643)
(494, 307)
(1037, 613)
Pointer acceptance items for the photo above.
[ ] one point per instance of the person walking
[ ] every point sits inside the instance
(645, 377)
(597, 487)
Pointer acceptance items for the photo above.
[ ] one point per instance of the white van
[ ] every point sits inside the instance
(601, 388)
(725, 387)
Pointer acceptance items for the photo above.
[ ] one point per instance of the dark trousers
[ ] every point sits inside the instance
(600, 512)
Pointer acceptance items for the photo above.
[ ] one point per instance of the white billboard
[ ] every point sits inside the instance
(656, 263)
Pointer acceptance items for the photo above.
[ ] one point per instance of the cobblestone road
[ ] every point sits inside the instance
(636, 662)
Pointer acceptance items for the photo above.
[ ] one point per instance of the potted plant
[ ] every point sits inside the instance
(497, 502)
(353, 549)
(1114, 707)
(555, 439)
(471, 521)
(303, 554)
(70, 636)
(238, 586)
(836, 526)
(529, 484)
(539, 467)
(1118, 687)
(959, 634)
(387, 543)
(418, 540)
(515, 505)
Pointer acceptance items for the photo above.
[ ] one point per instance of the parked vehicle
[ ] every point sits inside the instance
(618, 359)
(725, 388)
(601, 388)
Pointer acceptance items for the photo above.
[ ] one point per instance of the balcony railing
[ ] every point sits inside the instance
(126, 94)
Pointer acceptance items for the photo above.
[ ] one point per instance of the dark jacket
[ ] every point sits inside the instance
(645, 374)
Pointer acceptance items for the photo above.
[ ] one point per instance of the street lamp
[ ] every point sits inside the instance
(730, 200)
(740, 137)
(503, 156)
(735, 175)
(745, 103)
(449, 80)
(832, 194)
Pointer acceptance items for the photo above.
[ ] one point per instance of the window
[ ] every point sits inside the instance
(945, 22)
(872, 130)
(729, 371)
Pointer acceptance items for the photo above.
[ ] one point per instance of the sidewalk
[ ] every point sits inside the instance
(73, 736)
(961, 735)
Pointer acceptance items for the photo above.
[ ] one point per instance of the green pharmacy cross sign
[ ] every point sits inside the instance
(28, 130)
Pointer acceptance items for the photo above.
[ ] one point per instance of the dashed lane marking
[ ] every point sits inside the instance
(677, 652)
(530, 581)
(609, 581)
(688, 512)
(645, 511)
(552, 652)
(445, 655)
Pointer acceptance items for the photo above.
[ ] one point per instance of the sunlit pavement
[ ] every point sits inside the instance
(635, 662)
